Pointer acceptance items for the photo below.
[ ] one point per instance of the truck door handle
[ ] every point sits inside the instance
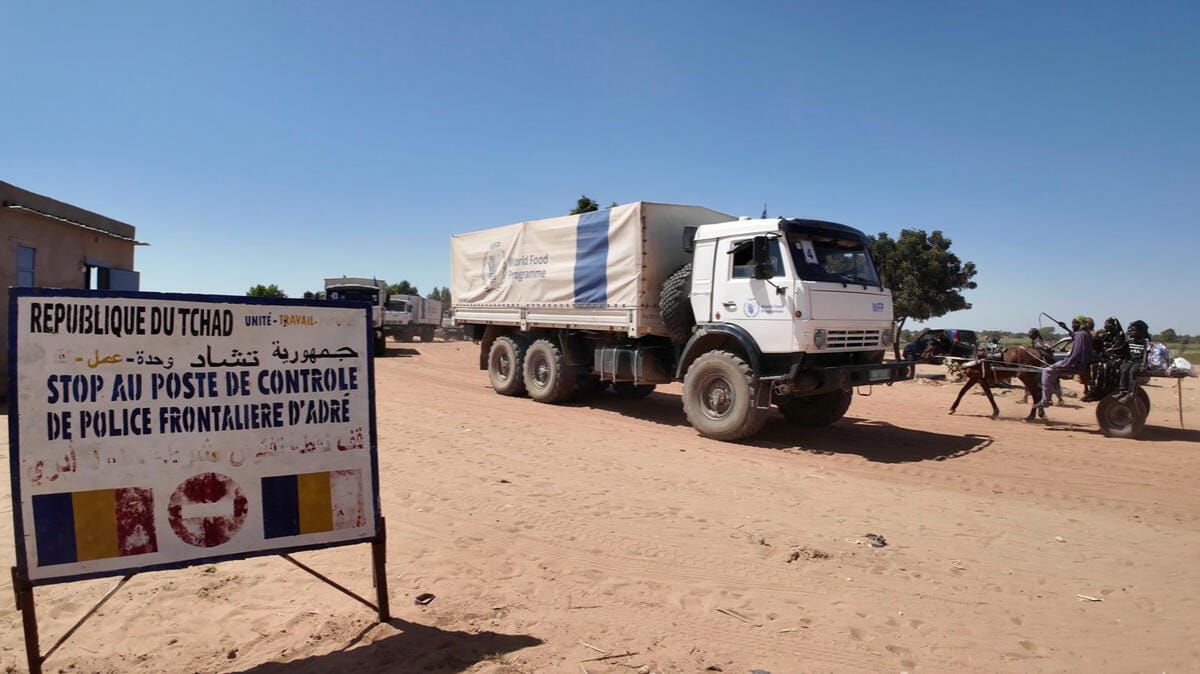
(730, 305)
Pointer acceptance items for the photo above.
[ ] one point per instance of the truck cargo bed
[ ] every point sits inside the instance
(599, 271)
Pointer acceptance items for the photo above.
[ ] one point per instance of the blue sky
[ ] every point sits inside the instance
(1056, 144)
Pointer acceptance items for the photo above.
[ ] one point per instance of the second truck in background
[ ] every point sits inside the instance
(407, 317)
(402, 317)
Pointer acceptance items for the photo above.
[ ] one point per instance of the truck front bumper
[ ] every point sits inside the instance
(807, 380)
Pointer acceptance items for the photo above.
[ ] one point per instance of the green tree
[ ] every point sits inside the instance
(1168, 335)
(261, 290)
(585, 204)
(924, 276)
(442, 295)
(403, 288)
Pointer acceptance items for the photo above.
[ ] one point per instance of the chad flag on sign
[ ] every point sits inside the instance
(85, 525)
(310, 503)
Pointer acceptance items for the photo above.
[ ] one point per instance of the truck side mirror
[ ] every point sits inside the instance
(763, 269)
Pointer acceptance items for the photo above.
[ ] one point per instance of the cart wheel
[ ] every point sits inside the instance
(1143, 398)
(1123, 420)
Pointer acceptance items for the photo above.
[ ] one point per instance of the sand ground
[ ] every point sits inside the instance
(607, 536)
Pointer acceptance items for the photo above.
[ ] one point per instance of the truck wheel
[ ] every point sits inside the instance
(628, 389)
(816, 411)
(1122, 420)
(718, 397)
(380, 345)
(504, 365)
(547, 378)
(676, 306)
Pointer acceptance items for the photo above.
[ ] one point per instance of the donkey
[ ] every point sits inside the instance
(1022, 362)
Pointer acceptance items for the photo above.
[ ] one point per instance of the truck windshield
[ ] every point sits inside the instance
(827, 258)
(367, 295)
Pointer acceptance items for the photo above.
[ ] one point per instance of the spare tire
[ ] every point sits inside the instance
(676, 306)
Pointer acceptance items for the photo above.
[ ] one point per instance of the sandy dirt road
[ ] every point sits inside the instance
(606, 536)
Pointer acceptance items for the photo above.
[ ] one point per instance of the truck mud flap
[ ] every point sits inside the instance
(763, 394)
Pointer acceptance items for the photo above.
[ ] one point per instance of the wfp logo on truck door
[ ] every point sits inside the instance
(494, 264)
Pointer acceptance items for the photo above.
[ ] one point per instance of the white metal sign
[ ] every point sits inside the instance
(155, 431)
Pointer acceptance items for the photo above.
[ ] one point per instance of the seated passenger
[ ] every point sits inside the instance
(1138, 344)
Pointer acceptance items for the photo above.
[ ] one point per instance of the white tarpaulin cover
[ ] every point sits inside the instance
(616, 258)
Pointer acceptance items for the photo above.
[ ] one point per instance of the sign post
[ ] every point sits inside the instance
(154, 431)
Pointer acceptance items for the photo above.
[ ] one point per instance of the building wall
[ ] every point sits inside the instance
(60, 248)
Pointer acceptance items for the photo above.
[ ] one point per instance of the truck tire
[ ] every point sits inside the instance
(676, 306)
(505, 360)
(628, 389)
(816, 411)
(547, 378)
(718, 397)
(380, 345)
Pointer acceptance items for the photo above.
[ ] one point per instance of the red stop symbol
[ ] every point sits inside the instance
(207, 510)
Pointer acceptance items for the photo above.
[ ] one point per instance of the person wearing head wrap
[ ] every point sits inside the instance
(1111, 351)
(1113, 343)
(1138, 343)
(1076, 362)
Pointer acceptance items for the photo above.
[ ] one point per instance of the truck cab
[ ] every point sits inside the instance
(803, 294)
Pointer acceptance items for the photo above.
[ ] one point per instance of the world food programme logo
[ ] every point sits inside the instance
(751, 308)
(494, 264)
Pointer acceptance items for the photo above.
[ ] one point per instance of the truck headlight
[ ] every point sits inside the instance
(885, 337)
(819, 338)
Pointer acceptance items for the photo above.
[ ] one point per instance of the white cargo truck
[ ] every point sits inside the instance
(369, 290)
(403, 317)
(747, 313)
(449, 330)
(407, 317)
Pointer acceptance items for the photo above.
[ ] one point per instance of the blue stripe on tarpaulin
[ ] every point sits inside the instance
(281, 506)
(591, 258)
(54, 528)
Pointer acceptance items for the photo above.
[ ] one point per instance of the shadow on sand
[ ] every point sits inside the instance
(1164, 434)
(399, 352)
(872, 440)
(416, 648)
(1148, 434)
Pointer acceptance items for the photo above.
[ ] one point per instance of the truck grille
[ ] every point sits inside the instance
(851, 339)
